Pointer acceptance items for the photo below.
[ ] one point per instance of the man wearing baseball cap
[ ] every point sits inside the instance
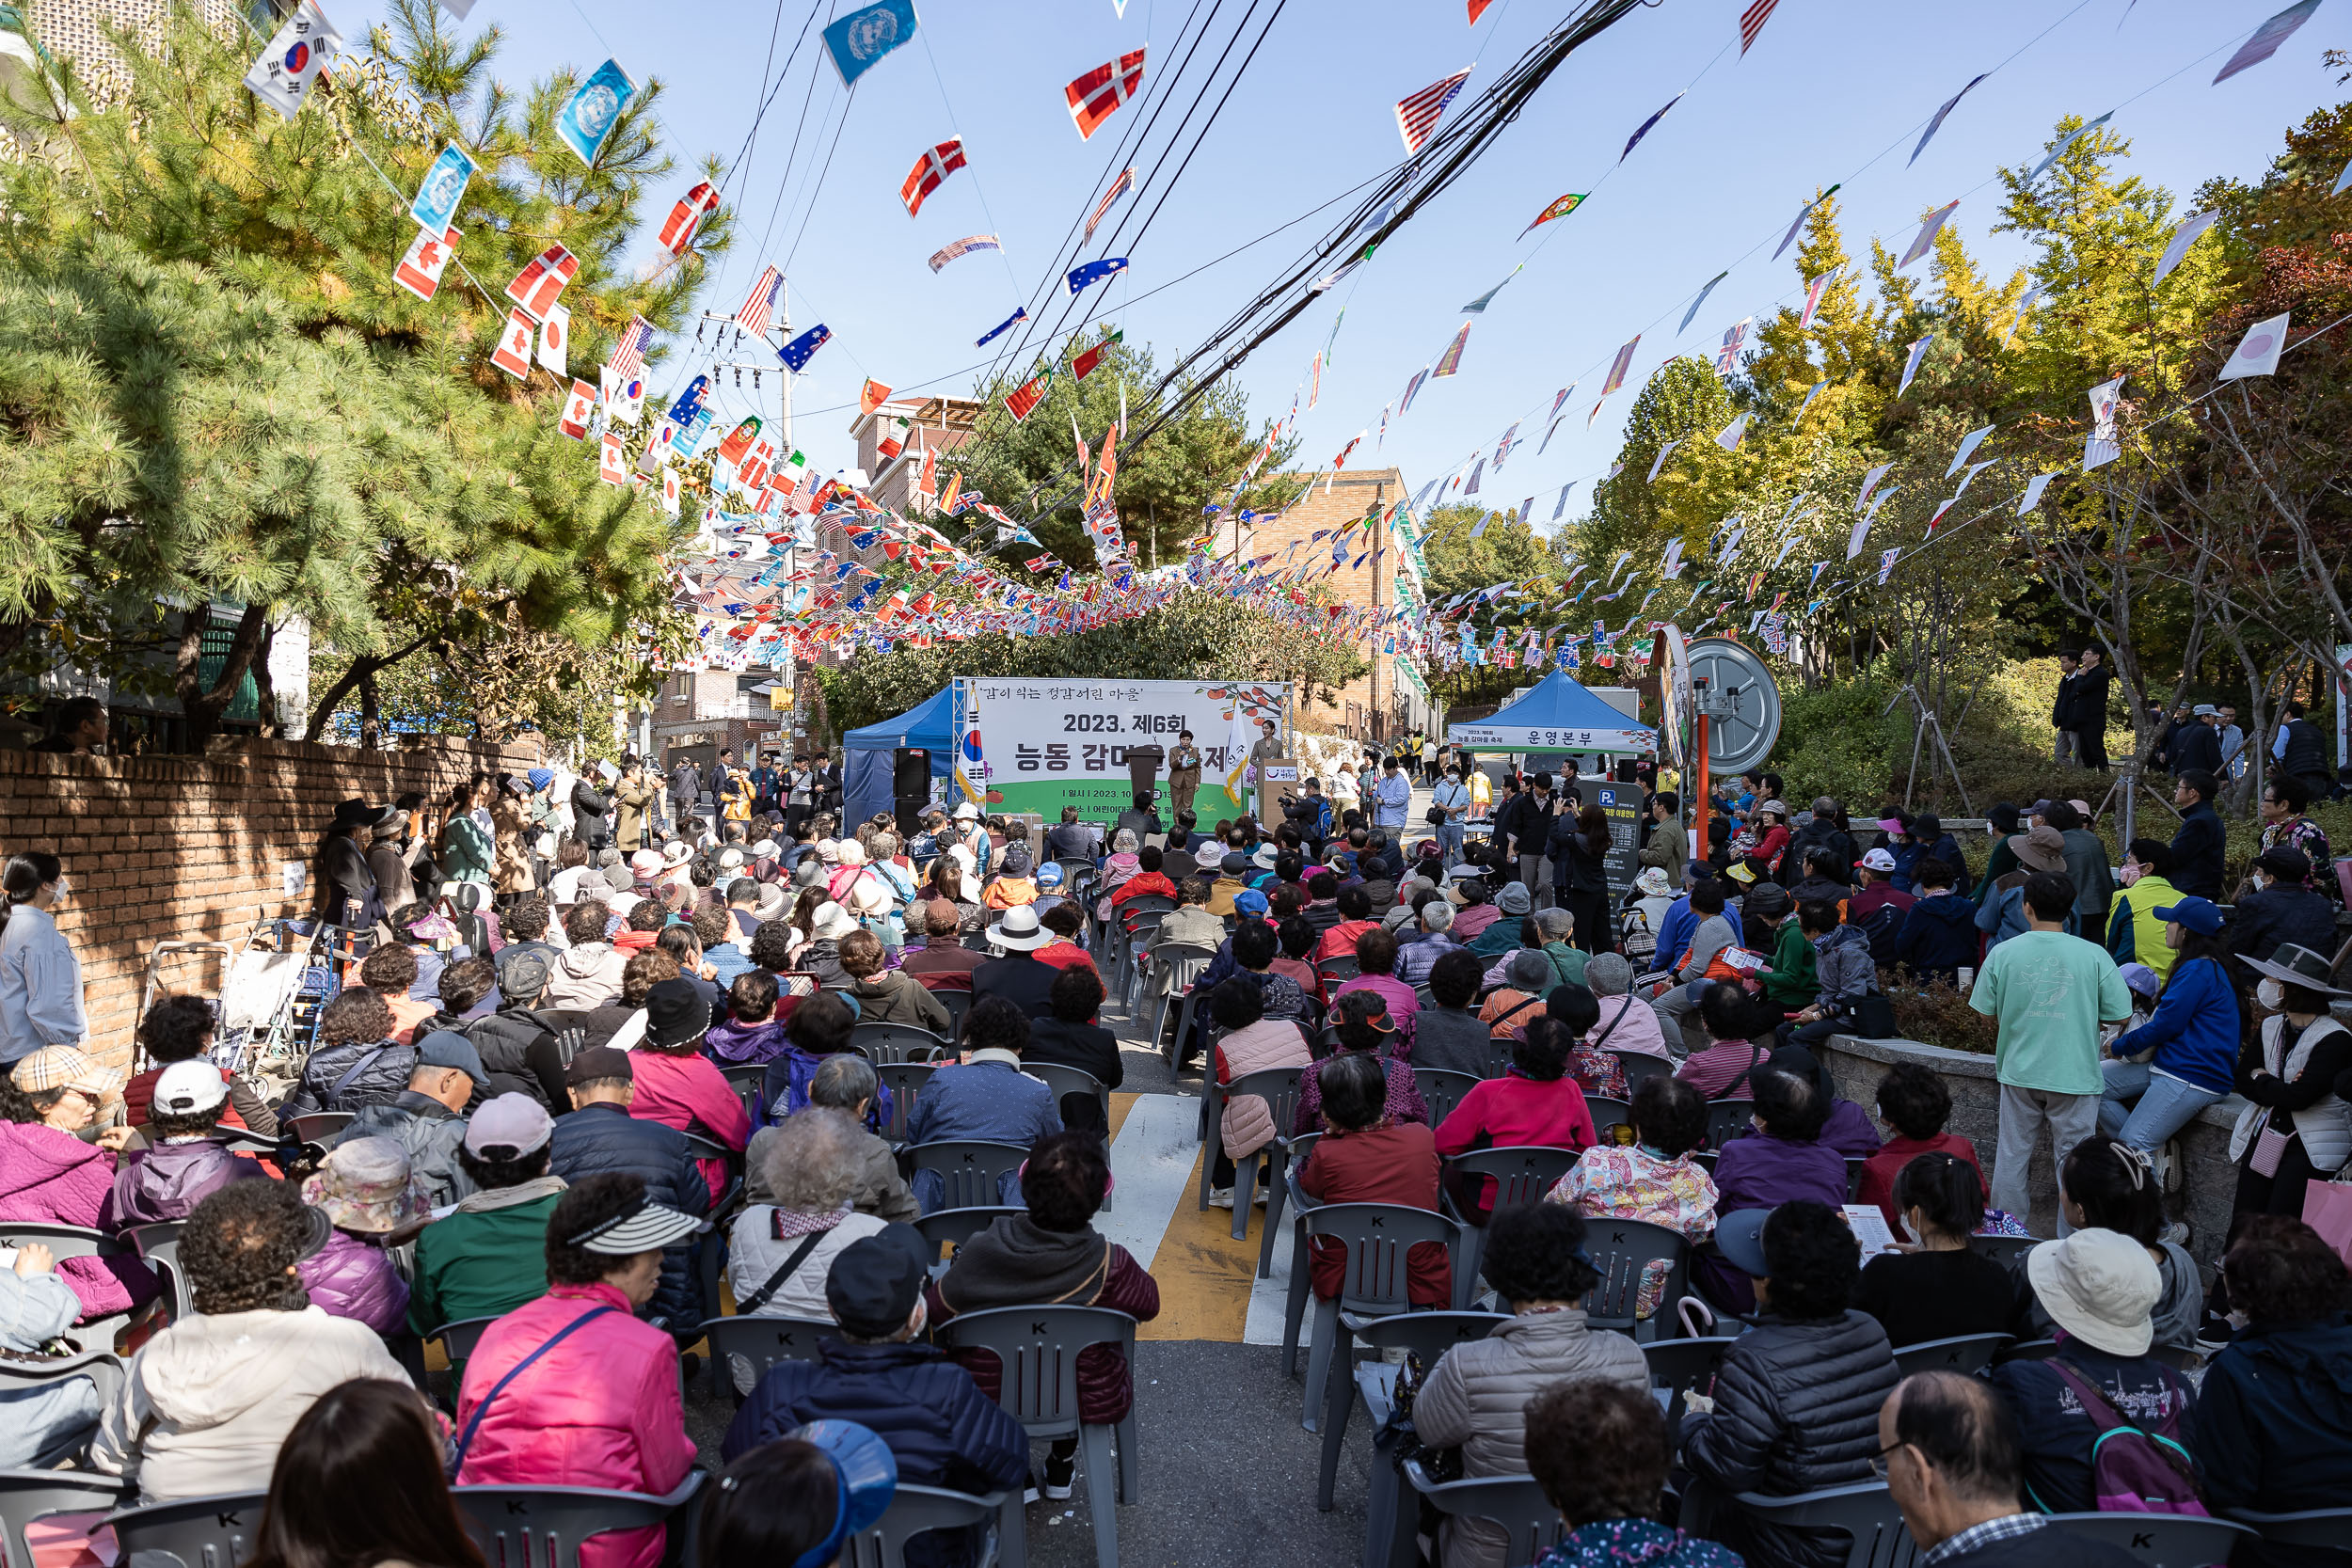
(600, 1136)
(488, 1256)
(942, 1428)
(428, 1118)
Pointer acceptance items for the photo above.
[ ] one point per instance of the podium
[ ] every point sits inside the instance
(1276, 778)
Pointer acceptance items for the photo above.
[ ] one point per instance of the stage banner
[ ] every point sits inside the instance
(1054, 742)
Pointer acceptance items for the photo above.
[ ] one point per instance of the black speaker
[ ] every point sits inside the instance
(911, 774)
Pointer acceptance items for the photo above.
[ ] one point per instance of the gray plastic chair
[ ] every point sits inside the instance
(201, 1532)
(2330, 1528)
(28, 1496)
(1727, 1119)
(1280, 1087)
(1428, 1334)
(1619, 1249)
(1442, 1089)
(542, 1526)
(2027, 1349)
(958, 1005)
(747, 1347)
(100, 1366)
(158, 1246)
(1640, 1066)
(1523, 1173)
(460, 1338)
(2160, 1540)
(1037, 1352)
(1181, 962)
(1065, 1080)
(897, 1042)
(971, 1168)
(952, 1227)
(914, 1510)
(1288, 1155)
(1678, 1366)
(1853, 1173)
(1514, 1502)
(1965, 1354)
(318, 1126)
(1863, 1511)
(1606, 1113)
(747, 1079)
(1379, 1238)
(1340, 967)
(905, 1081)
(2008, 1251)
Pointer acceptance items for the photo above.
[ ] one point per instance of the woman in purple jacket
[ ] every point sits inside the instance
(366, 1192)
(1783, 1159)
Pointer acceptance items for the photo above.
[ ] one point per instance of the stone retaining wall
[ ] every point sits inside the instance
(2209, 1181)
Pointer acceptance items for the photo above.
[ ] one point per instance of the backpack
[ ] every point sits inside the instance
(2132, 1470)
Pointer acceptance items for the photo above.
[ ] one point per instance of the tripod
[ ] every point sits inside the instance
(1924, 723)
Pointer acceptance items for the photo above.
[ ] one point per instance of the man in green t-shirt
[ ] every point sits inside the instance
(2049, 992)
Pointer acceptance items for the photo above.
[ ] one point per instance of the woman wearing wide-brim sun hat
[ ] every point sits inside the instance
(2296, 1127)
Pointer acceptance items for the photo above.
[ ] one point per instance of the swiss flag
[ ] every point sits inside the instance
(928, 170)
(1097, 95)
(535, 287)
(612, 467)
(578, 408)
(513, 354)
(678, 230)
(419, 271)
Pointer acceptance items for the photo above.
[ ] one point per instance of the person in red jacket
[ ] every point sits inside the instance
(1914, 1105)
(1363, 1157)
(1534, 1104)
(1052, 1253)
(677, 1086)
(1354, 907)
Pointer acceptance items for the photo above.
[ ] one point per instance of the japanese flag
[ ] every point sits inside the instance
(555, 340)
(669, 490)
(577, 409)
(513, 354)
(2258, 351)
(419, 271)
(613, 466)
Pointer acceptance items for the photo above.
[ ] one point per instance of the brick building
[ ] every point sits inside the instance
(1393, 698)
(941, 424)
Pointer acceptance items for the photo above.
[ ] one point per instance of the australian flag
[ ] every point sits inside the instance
(797, 353)
(1090, 272)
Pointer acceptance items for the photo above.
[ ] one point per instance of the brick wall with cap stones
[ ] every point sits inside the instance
(171, 849)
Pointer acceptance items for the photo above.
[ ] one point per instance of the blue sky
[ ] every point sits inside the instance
(1834, 90)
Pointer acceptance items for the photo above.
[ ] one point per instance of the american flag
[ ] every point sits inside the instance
(759, 306)
(628, 355)
(1752, 21)
(1119, 187)
(1416, 115)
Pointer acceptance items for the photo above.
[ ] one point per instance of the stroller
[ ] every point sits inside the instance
(274, 985)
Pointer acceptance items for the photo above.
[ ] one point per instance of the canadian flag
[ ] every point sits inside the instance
(577, 409)
(542, 279)
(1097, 95)
(419, 271)
(513, 354)
(928, 170)
(678, 230)
(555, 340)
(612, 467)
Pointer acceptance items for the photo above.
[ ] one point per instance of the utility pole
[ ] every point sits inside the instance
(1377, 720)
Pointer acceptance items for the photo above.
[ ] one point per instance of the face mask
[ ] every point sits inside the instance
(2271, 994)
(65, 887)
(2130, 874)
(1910, 1232)
(2238, 1321)
(2261, 880)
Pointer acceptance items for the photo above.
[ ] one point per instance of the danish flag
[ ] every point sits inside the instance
(678, 232)
(542, 279)
(1097, 95)
(929, 171)
(419, 271)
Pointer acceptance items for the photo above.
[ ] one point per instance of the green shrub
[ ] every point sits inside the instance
(1939, 1014)
(1833, 741)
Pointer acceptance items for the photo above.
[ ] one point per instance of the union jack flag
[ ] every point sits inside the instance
(1416, 115)
(759, 306)
(628, 355)
(1752, 21)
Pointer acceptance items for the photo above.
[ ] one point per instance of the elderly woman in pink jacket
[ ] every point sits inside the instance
(1251, 1043)
(571, 1390)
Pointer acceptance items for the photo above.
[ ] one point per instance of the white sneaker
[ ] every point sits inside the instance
(1220, 1198)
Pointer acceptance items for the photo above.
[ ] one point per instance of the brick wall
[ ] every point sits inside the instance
(187, 849)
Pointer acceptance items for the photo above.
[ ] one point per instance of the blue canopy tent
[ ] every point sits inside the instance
(868, 753)
(1557, 716)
